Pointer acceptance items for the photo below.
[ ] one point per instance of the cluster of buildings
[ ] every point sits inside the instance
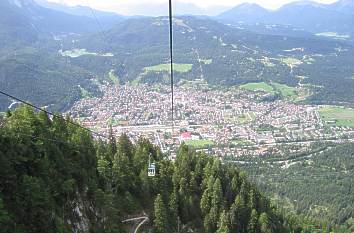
(227, 122)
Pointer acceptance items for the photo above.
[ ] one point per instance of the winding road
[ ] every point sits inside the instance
(143, 218)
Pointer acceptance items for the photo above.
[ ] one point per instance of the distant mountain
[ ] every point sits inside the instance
(220, 54)
(344, 6)
(15, 28)
(161, 9)
(29, 66)
(237, 55)
(307, 15)
(44, 21)
(76, 10)
(179, 8)
(247, 12)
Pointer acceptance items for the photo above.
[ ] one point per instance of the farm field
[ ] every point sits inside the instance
(112, 77)
(288, 92)
(207, 61)
(182, 68)
(258, 87)
(285, 90)
(82, 52)
(84, 93)
(337, 115)
(199, 144)
(291, 62)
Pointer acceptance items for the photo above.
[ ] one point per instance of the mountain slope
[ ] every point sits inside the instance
(75, 10)
(45, 21)
(343, 6)
(98, 184)
(250, 13)
(235, 56)
(217, 53)
(30, 68)
(106, 19)
(311, 16)
(43, 80)
(15, 28)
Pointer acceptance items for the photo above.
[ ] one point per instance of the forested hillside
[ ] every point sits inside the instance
(55, 177)
(220, 54)
(318, 185)
(135, 50)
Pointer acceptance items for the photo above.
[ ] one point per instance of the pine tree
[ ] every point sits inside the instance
(264, 223)
(160, 216)
(237, 218)
(112, 141)
(173, 209)
(4, 217)
(223, 223)
(253, 223)
(217, 201)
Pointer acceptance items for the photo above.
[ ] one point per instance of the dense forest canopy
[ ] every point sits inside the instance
(55, 177)
(319, 186)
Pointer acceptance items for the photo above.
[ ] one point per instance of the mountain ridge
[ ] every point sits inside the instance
(311, 16)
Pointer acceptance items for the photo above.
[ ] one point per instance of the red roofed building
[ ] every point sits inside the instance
(186, 136)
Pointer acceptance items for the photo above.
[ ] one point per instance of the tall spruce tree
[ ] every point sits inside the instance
(160, 216)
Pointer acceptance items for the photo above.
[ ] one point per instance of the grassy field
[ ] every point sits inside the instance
(84, 93)
(82, 52)
(291, 62)
(114, 122)
(245, 118)
(290, 93)
(338, 115)
(207, 61)
(285, 90)
(200, 144)
(182, 68)
(267, 62)
(258, 87)
(333, 35)
(241, 142)
(112, 77)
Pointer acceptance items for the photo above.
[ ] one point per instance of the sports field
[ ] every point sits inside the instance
(200, 144)
(339, 116)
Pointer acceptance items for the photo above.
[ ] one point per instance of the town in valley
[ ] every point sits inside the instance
(231, 122)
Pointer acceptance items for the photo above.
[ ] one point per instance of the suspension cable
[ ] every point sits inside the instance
(171, 59)
(49, 113)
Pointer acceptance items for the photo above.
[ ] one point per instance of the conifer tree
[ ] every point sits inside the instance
(253, 223)
(112, 141)
(160, 215)
(264, 223)
(223, 223)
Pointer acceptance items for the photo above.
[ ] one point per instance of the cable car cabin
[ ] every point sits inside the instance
(152, 170)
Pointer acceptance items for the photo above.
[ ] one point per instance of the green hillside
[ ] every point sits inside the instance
(220, 54)
(317, 185)
(238, 56)
(43, 80)
(98, 184)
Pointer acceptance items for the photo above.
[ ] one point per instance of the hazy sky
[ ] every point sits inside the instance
(127, 6)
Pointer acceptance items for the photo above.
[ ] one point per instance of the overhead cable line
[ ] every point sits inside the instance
(49, 113)
(171, 60)
(96, 20)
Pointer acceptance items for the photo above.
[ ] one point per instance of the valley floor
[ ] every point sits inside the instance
(232, 122)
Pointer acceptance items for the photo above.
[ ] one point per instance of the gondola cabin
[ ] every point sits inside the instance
(152, 170)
